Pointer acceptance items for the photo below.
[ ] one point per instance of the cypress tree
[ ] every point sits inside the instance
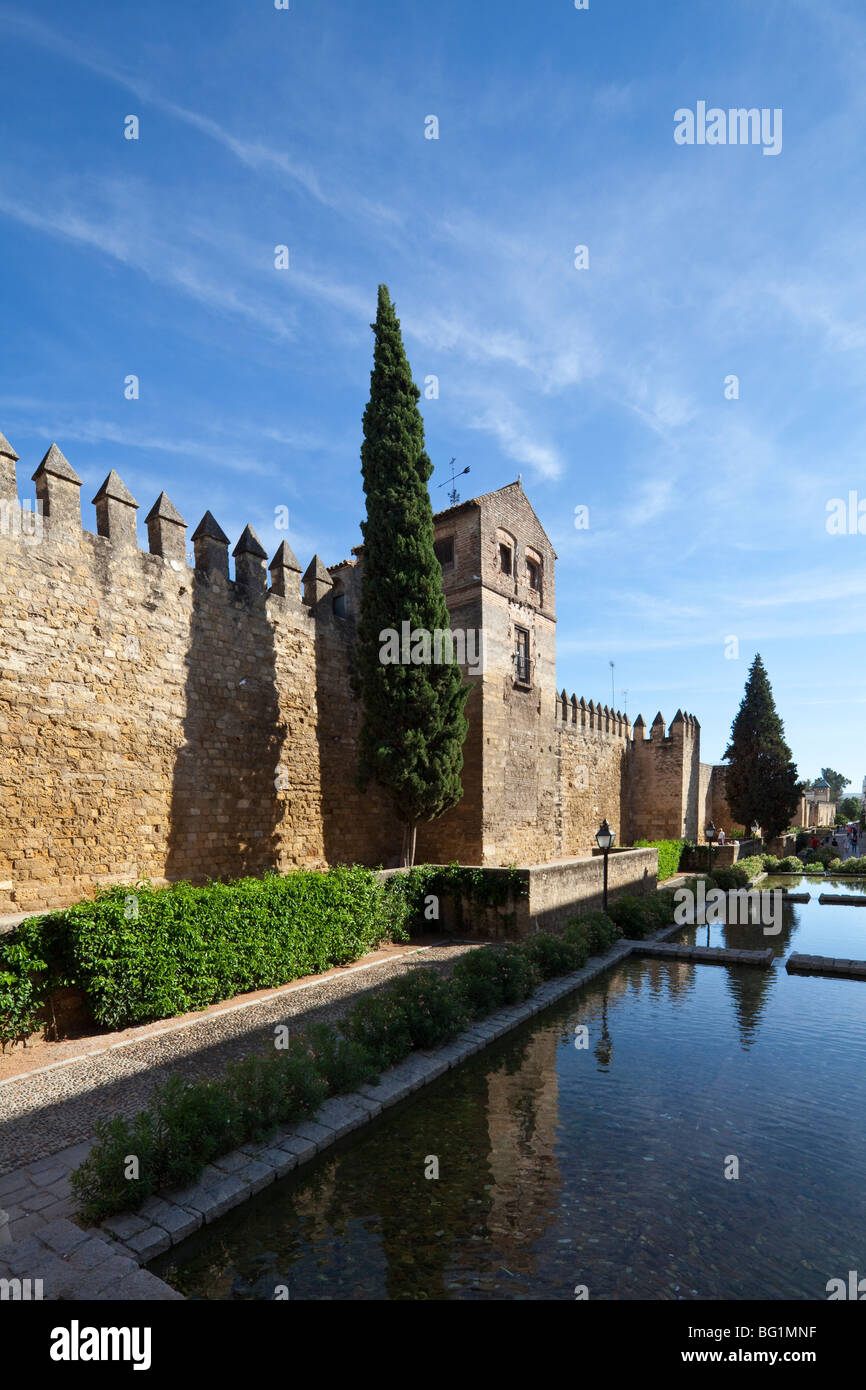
(413, 721)
(762, 780)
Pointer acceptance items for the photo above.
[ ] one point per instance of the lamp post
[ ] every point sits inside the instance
(710, 833)
(604, 838)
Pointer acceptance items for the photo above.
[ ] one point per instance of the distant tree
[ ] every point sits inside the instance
(851, 807)
(413, 721)
(837, 782)
(762, 780)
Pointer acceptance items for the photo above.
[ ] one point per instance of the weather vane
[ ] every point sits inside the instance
(454, 495)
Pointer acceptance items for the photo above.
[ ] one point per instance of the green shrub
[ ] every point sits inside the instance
(379, 1024)
(670, 854)
(23, 985)
(150, 953)
(790, 865)
(853, 866)
(816, 867)
(552, 955)
(733, 876)
(752, 865)
(494, 976)
(191, 1123)
(636, 917)
(433, 1009)
(344, 1064)
(769, 863)
(594, 929)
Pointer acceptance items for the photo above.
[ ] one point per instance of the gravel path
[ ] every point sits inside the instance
(45, 1112)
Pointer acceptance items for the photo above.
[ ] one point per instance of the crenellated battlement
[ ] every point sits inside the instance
(574, 714)
(57, 520)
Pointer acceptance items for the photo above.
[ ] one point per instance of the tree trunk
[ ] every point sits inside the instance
(410, 831)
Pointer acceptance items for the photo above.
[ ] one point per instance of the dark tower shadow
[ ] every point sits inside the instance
(224, 803)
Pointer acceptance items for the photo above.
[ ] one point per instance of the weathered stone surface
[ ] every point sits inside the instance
(125, 1225)
(62, 1236)
(179, 1222)
(213, 1197)
(320, 1135)
(149, 1243)
(163, 702)
(142, 1285)
(340, 1115)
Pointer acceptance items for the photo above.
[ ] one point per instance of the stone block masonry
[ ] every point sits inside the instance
(166, 722)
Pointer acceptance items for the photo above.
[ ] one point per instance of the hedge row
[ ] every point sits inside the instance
(144, 953)
(670, 854)
(190, 1124)
(148, 953)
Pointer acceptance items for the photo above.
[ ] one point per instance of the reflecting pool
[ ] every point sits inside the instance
(601, 1166)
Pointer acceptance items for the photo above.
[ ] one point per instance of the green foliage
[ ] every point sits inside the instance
(413, 726)
(592, 932)
(478, 888)
(23, 985)
(637, 917)
(552, 955)
(190, 1124)
(433, 1009)
(378, 1023)
(769, 862)
(670, 854)
(790, 865)
(853, 866)
(188, 947)
(851, 807)
(344, 1064)
(761, 783)
(492, 977)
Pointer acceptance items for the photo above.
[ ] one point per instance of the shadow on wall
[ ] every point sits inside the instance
(224, 805)
(358, 827)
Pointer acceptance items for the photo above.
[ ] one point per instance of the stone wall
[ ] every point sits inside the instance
(547, 895)
(169, 722)
(163, 722)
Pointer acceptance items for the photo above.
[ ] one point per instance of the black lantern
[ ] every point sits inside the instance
(710, 833)
(604, 838)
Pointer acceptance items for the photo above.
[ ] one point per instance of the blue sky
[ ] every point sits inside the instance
(603, 387)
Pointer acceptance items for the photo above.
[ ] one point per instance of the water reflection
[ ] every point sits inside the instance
(603, 1165)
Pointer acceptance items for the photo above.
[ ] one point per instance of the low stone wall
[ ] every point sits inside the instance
(544, 896)
(723, 855)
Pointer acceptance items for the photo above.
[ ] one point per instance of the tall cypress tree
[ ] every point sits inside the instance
(413, 722)
(762, 780)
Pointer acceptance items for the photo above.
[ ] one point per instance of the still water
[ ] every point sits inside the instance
(604, 1166)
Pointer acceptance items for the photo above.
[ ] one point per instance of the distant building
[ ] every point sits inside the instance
(816, 808)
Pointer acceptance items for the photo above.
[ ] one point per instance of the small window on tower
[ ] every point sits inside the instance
(445, 552)
(533, 574)
(505, 559)
(521, 656)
